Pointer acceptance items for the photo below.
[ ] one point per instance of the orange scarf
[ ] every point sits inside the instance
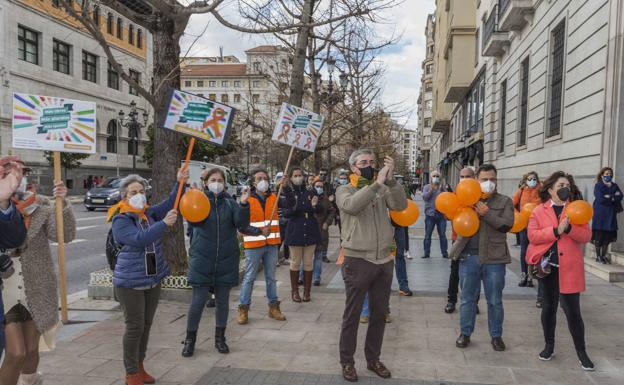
(22, 207)
(124, 207)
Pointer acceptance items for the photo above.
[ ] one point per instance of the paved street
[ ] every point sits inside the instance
(418, 347)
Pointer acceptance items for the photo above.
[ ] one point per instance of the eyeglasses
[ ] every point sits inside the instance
(364, 163)
(532, 179)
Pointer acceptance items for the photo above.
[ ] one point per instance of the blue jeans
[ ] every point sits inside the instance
(199, 297)
(318, 265)
(471, 273)
(399, 259)
(439, 222)
(365, 312)
(266, 255)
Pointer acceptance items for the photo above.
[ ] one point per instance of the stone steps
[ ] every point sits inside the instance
(609, 273)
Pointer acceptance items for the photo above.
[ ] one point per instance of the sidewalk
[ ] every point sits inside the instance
(418, 348)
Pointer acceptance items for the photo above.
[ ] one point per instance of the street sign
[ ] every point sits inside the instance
(298, 128)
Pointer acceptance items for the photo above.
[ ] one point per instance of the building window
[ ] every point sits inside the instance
(60, 56)
(200, 83)
(503, 116)
(188, 83)
(113, 77)
(111, 141)
(481, 103)
(136, 76)
(96, 15)
(428, 122)
(89, 67)
(428, 105)
(225, 83)
(131, 34)
(237, 83)
(237, 98)
(428, 87)
(109, 23)
(524, 102)
(556, 80)
(256, 84)
(256, 66)
(476, 51)
(212, 97)
(139, 38)
(28, 45)
(119, 28)
(225, 98)
(255, 98)
(211, 83)
(429, 69)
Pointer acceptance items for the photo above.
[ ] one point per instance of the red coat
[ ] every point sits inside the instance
(541, 238)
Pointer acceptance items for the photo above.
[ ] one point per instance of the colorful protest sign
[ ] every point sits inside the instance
(298, 127)
(53, 124)
(199, 117)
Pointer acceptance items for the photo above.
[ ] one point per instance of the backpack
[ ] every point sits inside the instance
(112, 250)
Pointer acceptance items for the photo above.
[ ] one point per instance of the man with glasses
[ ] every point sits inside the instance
(368, 264)
(434, 218)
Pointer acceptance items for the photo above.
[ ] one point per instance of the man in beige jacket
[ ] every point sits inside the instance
(368, 265)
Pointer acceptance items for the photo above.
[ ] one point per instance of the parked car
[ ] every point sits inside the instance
(107, 194)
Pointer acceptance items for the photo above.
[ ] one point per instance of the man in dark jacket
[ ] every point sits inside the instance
(483, 257)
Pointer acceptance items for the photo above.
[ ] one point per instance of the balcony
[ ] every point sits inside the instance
(441, 125)
(495, 42)
(514, 14)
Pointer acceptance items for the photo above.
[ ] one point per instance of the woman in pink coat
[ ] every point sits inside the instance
(551, 234)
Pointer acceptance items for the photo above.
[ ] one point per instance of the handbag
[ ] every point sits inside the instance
(543, 268)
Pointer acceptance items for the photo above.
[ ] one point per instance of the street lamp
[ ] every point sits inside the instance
(332, 98)
(134, 128)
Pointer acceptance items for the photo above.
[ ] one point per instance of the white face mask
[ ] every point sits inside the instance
(319, 190)
(342, 181)
(138, 201)
(262, 186)
(298, 180)
(488, 187)
(22, 186)
(532, 183)
(215, 187)
(435, 180)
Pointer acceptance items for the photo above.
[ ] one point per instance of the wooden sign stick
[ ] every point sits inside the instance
(292, 150)
(60, 235)
(184, 168)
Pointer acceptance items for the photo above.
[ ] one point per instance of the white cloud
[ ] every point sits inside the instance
(402, 60)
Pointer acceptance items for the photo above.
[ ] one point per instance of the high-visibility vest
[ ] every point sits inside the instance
(259, 217)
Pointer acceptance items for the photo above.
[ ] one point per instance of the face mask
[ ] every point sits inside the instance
(435, 180)
(262, 186)
(319, 190)
(487, 187)
(532, 183)
(607, 178)
(342, 182)
(367, 172)
(22, 186)
(298, 180)
(138, 201)
(563, 193)
(215, 187)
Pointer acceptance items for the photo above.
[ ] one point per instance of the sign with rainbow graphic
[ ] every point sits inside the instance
(199, 117)
(53, 124)
(298, 127)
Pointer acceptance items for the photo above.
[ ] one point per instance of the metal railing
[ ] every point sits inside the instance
(502, 5)
(490, 26)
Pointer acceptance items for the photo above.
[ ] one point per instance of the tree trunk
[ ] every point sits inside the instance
(297, 75)
(168, 145)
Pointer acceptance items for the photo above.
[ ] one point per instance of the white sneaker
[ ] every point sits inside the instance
(30, 379)
(407, 255)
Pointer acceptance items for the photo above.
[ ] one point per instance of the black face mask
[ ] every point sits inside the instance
(367, 172)
(563, 193)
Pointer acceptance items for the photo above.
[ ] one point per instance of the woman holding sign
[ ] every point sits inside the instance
(557, 246)
(214, 258)
(30, 293)
(140, 267)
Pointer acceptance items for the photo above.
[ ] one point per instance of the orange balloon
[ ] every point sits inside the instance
(194, 206)
(447, 203)
(521, 221)
(579, 212)
(466, 222)
(528, 208)
(406, 217)
(468, 192)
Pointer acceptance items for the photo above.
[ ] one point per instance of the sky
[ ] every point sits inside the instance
(402, 60)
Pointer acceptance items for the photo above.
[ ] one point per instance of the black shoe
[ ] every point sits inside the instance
(463, 341)
(326, 260)
(547, 353)
(211, 303)
(220, 341)
(445, 256)
(349, 373)
(530, 282)
(523, 280)
(189, 344)
(316, 283)
(425, 256)
(450, 308)
(585, 362)
(538, 303)
(405, 292)
(498, 344)
(379, 369)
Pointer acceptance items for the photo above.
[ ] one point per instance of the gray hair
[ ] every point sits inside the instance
(356, 153)
(127, 181)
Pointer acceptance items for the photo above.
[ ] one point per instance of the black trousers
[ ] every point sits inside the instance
(570, 303)
(453, 285)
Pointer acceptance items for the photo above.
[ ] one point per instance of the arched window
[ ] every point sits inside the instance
(131, 34)
(139, 38)
(119, 28)
(109, 23)
(111, 141)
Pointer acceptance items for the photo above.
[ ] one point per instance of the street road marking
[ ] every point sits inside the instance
(90, 218)
(72, 242)
(86, 227)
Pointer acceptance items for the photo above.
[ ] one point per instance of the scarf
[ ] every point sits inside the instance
(26, 206)
(359, 182)
(124, 207)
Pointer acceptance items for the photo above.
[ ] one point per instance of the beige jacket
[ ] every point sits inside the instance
(366, 228)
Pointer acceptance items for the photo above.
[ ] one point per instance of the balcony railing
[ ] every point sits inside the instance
(490, 26)
(493, 41)
(502, 5)
(513, 15)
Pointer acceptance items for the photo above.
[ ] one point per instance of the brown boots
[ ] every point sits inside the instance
(307, 285)
(275, 312)
(243, 314)
(294, 286)
(134, 379)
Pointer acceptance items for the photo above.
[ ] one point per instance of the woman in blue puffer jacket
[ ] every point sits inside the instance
(140, 267)
(214, 258)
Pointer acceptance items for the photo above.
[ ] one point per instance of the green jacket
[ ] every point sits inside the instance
(366, 228)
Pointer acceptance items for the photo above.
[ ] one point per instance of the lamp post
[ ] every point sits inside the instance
(248, 149)
(331, 98)
(134, 128)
